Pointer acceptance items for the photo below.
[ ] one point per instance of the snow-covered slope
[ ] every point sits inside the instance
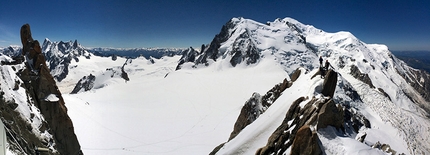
(297, 45)
(193, 109)
(189, 111)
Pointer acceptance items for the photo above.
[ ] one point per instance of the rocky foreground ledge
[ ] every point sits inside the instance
(33, 110)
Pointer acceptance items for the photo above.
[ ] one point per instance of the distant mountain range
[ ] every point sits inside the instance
(416, 59)
(60, 54)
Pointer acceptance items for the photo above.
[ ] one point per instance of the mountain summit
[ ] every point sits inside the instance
(372, 83)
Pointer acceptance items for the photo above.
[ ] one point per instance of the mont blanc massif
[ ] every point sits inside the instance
(257, 88)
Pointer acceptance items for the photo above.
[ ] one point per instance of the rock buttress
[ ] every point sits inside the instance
(39, 84)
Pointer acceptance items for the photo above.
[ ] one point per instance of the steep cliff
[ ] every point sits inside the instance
(34, 111)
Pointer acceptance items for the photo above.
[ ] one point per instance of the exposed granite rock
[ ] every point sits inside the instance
(297, 131)
(60, 55)
(283, 136)
(250, 111)
(39, 84)
(188, 55)
(254, 107)
(244, 50)
(355, 72)
(124, 74)
(86, 83)
(313, 113)
(212, 52)
(257, 105)
(19, 131)
(329, 85)
(330, 114)
(384, 93)
(296, 75)
(307, 143)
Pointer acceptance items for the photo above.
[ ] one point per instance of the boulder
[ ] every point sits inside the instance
(296, 75)
(329, 85)
(330, 114)
(306, 142)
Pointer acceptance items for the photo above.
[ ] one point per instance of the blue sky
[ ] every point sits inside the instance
(400, 24)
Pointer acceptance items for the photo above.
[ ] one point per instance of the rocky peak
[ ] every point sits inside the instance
(59, 55)
(40, 84)
(212, 52)
(189, 55)
(86, 83)
(244, 41)
(75, 44)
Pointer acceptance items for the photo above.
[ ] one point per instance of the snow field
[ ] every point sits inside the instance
(191, 111)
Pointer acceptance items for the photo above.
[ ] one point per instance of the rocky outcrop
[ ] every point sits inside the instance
(59, 55)
(307, 143)
(329, 84)
(188, 55)
(296, 75)
(330, 114)
(39, 84)
(19, 131)
(318, 112)
(124, 74)
(355, 72)
(257, 105)
(254, 107)
(249, 113)
(86, 83)
(384, 93)
(244, 50)
(284, 135)
(212, 52)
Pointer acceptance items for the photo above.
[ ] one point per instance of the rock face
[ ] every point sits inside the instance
(212, 52)
(188, 55)
(39, 83)
(355, 72)
(59, 55)
(330, 114)
(307, 143)
(329, 84)
(254, 107)
(19, 131)
(244, 50)
(86, 83)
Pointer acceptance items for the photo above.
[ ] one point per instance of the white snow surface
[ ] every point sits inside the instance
(189, 112)
(193, 110)
(52, 98)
